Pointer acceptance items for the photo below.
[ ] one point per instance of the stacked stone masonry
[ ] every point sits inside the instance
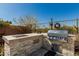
(29, 43)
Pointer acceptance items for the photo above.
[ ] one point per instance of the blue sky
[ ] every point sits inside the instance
(42, 11)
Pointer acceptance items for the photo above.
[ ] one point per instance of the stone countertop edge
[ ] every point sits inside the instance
(11, 37)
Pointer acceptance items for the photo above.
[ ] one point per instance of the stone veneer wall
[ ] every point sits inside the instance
(24, 46)
(66, 48)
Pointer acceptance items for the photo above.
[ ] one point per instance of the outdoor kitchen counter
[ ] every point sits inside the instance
(26, 44)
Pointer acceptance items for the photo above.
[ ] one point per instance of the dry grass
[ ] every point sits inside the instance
(1, 47)
(1, 51)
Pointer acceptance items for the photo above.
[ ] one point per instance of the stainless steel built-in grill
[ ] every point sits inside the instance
(57, 34)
